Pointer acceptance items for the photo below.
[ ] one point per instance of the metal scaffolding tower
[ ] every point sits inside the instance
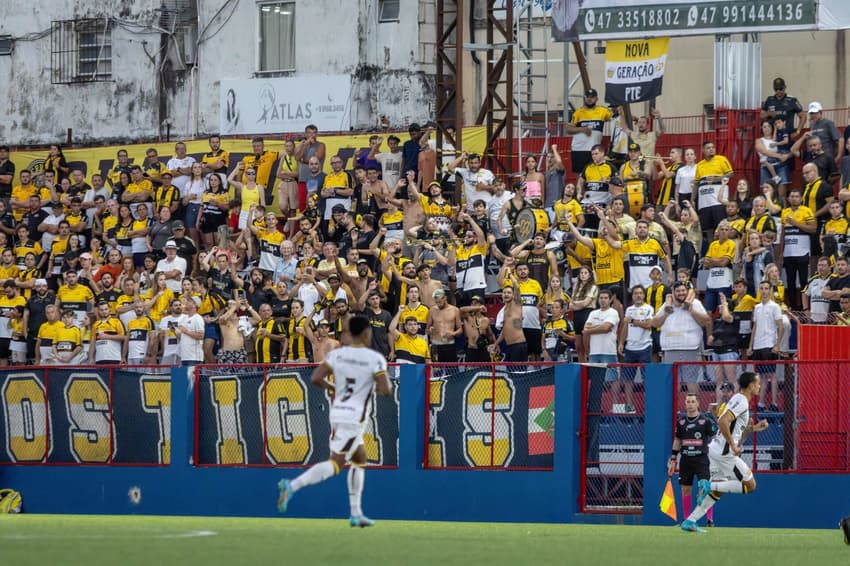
(531, 84)
(449, 81)
(497, 109)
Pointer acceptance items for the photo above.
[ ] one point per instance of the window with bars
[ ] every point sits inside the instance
(277, 37)
(81, 51)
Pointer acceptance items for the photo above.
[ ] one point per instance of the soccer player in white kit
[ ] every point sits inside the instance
(729, 473)
(356, 370)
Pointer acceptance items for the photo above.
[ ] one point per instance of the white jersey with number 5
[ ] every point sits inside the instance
(740, 409)
(354, 370)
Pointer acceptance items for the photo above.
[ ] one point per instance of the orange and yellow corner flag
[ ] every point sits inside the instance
(668, 501)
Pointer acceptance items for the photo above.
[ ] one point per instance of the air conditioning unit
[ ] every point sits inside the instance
(181, 48)
(7, 45)
(187, 41)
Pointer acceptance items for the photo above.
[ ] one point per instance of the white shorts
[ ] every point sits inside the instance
(346, 438)
(728, 466)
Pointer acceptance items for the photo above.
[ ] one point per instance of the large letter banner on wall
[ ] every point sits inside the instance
(634, 70)
(86, 416)
(482, 418)
(280, 418)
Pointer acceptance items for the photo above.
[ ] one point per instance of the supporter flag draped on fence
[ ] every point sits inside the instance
(634, 69)
(541, 416)
(668, 501)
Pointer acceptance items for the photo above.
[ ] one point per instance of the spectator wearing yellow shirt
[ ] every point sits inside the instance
(139, 191)
(718, 260)
(68, 341)
(798, 225)
(262, 160)
(21, 194)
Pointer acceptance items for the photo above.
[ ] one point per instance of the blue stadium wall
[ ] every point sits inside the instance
(411, 492)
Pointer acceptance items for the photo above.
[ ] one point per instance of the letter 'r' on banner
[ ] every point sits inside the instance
(634, 70)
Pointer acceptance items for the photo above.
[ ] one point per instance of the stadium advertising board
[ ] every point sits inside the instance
(246, 418)
(616, 19)
(603, 19)
(284, 104)
(85, 416)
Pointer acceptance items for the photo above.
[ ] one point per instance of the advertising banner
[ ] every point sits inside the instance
(634, 70)
(285, 104)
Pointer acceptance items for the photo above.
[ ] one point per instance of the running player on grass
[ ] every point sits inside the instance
(356, 371)
(729, 473)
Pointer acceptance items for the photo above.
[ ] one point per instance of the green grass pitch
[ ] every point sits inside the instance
(159, 541)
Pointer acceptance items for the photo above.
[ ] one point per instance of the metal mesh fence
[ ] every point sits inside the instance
(273, 416)
(613, 433)
(490, 416)
(805, 403)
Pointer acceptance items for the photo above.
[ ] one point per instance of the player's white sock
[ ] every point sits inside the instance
(727, 486)
(702, 509)
(318, 473)
(356, 479)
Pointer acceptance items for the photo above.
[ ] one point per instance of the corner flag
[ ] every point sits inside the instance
(668, 501)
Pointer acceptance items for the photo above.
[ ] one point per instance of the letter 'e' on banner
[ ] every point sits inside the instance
(634, 69)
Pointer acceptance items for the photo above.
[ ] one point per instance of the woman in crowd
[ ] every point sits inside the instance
(160, 232)
(583, 301)
(554, 292)
(119, 235)
(157, 300)
(684, 179)
(754, 259)
(213, 211)
(557, 333)
(248, 194)
(744, 198)
(121, 186)
(193, 198)
(56, 163)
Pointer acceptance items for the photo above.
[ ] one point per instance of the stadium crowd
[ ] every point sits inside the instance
(632, 258)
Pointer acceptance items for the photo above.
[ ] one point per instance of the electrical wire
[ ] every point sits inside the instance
(202, 37)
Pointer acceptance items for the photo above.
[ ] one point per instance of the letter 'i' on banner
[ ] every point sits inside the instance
(668, 501)
(634, 69)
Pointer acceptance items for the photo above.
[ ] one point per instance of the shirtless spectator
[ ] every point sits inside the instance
(320, 340)
(516, 348)
(443, 327)
(232, 349)
(479, 333)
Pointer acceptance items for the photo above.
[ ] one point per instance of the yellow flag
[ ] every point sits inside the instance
(668, 501)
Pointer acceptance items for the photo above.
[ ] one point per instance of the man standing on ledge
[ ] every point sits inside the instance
(364, 369)
(586, 129)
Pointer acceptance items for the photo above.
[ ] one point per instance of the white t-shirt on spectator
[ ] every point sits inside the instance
(765, 319)
(165, 265)
(174, 164)
(191, 349)
(471, 181)
(605, 343)
(680, 330)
